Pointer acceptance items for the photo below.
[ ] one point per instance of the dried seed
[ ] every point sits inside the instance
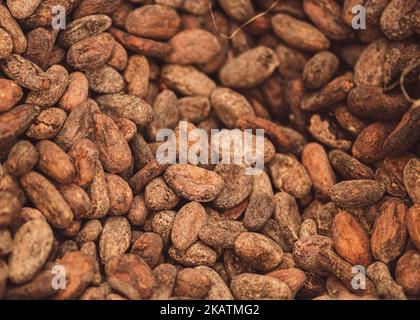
(372, 102)
(299, 34)
(349, 167)
(198, 254)
(293, 277)
(165, 275)
(126, 106)
(287, 216)
(405, 134)
(326, 15)
(389, 234)
(413, 224)
(158, 196)
(9, 24)
(47, 125)
(77, 126)
(368, 145)
(187, 224)
(221, 234)
(320, 69)
(25, 73)
(139, 45)
(84, 155)
(98, 192)
(192, 283)
(306, 251)
(407, 272)
(130, 275)
(54, 162)
(290, 175)
(250, 286)
(76, 93)
(83, 28)
(91, 52)
(22, 158)
(249, 69)
(137, 75)
(317, 164)
(259, 210)
(385, 286)
(105, 79)
(194, 183)
(149, 247)
(368, 70)
(230, 106)
(165, 113)
(350, 240)
(193, 46)
(23, 264)
(120, 194)
(114, 151)
(412, 180)
(11, 93)
(333, 92)
(153, 21)
(237, 187)
(357, 193)
(259, 251)
(47, 199)
(187, 80)
(16, 121)
(79, 272)
(115, 238)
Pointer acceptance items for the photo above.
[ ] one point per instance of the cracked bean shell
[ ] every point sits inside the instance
(47, 125)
